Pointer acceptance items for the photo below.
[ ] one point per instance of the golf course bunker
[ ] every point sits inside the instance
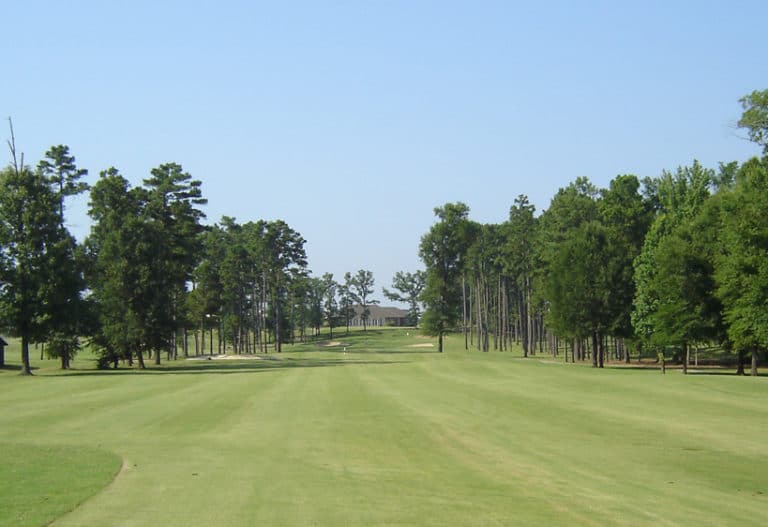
(424, 345)
(330, 344)
(234, 357)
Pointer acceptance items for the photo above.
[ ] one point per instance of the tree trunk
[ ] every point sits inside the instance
(740, 362)
(753, 370)
(600, 351)
(464, 311)
(686, 357)
(140, 356)
(440, 342)
(594, 349)
(185, 345)
(26, 369)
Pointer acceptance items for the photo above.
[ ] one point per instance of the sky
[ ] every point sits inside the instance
(353, 120)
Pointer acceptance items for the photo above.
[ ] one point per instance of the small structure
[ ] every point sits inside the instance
(3, 344)
(380, 316)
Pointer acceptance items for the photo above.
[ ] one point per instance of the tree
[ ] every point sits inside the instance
(678, 197)
(284, 256)
(408, 288)
(579, 286)
(330, 304)
(174, 221)
(626, 217)
(120, 264)
(755, 117)
(360, 287)
(144, 244)
(521, 261)
(443, 251)
(742, 267)
(61, 170)
(32, 244)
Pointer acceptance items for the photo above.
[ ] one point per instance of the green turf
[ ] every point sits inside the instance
(391, 434)
(40, 482)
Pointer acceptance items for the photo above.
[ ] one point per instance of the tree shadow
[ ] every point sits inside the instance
(229, 366)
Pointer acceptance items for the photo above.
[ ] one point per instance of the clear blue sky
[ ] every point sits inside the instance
(353, 120)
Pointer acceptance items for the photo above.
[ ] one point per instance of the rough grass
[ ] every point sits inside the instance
(377, 432)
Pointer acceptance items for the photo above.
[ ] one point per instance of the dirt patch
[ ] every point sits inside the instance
(425, 345)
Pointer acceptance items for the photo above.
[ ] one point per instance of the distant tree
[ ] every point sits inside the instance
(360, 287)
(443, 250)
(283, 256)
(521, 263)
(755, 117)
(408, 288)
(330, 304)
(346, 302)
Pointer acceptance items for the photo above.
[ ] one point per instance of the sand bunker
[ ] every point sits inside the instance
(331, 344)
(234, 357)
(425, 345)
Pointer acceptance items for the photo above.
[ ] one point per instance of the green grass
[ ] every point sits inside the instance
(390, 434)
(41, 482)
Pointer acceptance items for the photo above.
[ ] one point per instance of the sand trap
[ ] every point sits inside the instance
(234, 357)
(331, 344)
(425, 345)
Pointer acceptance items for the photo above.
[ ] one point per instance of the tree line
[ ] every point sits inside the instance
(661, 265)
(150, 271)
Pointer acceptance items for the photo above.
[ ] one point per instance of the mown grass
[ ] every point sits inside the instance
(380, 430)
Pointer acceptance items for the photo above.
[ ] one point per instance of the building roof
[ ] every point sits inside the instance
(382, 312)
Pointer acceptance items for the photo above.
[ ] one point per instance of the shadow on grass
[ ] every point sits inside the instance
(692, 370)
(374, 351)
(218, 366)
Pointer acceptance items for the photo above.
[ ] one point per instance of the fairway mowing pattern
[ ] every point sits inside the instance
(387, 434)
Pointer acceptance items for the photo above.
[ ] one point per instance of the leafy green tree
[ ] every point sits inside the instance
(679, 198)
(32, 244)
(360, 287)
(443, 250)
(407, 288)
(579, 286)
(570, 208)
(755, 117)
(742, 267)
(626, 217)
